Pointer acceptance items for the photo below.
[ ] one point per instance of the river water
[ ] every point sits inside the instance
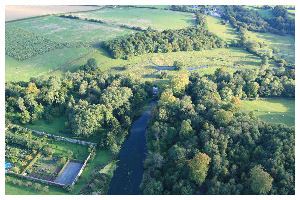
(129, 173)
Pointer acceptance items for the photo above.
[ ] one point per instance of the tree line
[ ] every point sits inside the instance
(199, 142)
(279, 23)
(152, 41)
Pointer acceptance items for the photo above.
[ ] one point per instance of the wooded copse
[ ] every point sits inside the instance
(151, 41)
(93, 103)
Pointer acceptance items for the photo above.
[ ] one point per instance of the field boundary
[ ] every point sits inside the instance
(59, 138)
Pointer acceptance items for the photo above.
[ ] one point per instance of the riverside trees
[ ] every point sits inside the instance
(226, 151)
(91, 101)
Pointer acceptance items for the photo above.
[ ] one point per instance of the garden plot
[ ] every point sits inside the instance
(68, 30)
(142, 17)
(45, 168)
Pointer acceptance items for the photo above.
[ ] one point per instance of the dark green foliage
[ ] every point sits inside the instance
(203, 121)
(94, 103)
(151, 41)
(239, 17)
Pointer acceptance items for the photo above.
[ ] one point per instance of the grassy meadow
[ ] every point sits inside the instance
(274, 110)
(143, 17)
(284, 45)
(225, 32)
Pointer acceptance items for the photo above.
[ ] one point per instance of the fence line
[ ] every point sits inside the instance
(60, 138)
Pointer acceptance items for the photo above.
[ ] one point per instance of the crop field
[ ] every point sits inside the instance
(225, 32)
(67, 30)
(142, 17)
(41, 64)
(284, 45)
(274, 110)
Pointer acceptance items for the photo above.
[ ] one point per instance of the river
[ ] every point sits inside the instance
(129, 173)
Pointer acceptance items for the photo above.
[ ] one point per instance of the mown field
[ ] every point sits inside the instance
(274, 110)
(226, 32)
(143, 17)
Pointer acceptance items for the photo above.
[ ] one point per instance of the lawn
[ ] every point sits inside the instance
(225, 32)
(143, 17)
(62, 148)
(11, 189)
(102, 158)
(274, 110)
(42, 64)
(56, 126)
(69, 30)
(283, 44)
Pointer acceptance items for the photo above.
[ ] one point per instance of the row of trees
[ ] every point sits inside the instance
(280, 23)
(151, 41)
(200, 143)
(94, 103)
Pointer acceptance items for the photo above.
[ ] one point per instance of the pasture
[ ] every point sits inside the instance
(224, 31)
(274, 110)
(145, 66)
(143, 17)
(67, 30)
(284, 45)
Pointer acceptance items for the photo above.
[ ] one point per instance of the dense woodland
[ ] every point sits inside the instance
(152, 41)
(200, 143)
(95, 104)
(280, 23)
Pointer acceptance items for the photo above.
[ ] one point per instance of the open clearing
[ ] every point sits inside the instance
(225, 32)
(14, 12)
(67, 30)
(274, 110)
(142, 17)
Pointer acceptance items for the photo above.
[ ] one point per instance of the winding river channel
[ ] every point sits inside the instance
(129, 173)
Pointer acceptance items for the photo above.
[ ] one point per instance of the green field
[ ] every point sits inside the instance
(283, 44)
(225, 32)
(42, 64)
(11, 189)
(62, 148)
(206, 61)
(56, 126)
(70, 30)
(274, 110)
(143, 17)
